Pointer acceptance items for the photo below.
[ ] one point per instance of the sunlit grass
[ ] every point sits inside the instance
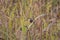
(15, 16)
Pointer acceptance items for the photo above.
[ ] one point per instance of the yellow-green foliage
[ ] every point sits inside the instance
(15, 16)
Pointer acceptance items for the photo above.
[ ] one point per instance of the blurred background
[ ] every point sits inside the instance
(29, 19)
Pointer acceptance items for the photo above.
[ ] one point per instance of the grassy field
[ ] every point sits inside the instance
(29, 19)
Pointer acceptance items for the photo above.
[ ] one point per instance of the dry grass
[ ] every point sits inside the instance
(29, 19)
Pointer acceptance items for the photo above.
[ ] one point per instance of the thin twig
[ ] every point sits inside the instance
(33, 21)
(42, 15)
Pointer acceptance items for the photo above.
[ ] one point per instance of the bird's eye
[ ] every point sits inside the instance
(31, 20)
